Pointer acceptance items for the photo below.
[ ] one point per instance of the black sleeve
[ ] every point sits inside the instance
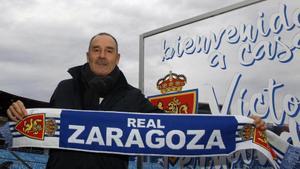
(146, 106)
(64, 96)
(57, 94)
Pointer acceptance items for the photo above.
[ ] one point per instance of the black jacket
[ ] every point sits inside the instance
(70, 94)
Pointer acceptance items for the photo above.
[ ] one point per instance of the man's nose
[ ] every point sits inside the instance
(101, 54)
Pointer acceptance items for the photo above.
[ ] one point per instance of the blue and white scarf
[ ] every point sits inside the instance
(126, 133)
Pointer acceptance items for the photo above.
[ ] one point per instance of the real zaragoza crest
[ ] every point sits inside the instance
(35, 126)
(173, 99)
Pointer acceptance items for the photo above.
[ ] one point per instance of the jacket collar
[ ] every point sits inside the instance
(75, 72)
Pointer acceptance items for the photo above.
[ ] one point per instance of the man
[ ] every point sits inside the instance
(97, 85)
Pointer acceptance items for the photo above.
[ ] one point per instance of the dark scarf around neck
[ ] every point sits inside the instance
(100, 85)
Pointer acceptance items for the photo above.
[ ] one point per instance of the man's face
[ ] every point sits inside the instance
(102, 55)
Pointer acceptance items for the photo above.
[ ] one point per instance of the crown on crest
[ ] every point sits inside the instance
(171, 83)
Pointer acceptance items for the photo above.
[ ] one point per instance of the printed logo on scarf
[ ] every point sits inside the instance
(32, 126)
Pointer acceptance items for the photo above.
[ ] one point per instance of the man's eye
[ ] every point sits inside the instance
(109, 51)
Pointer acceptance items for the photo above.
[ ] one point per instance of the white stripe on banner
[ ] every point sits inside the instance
(178, 135)
(48, 142)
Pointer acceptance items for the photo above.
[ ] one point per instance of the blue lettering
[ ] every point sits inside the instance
(179, 53)
(247, 32)
(232, 35)
(267, 49)
(255, 99)
(244, 60)
(218, 40)
(273, 86)
(283, 15)
(286, 55)
(291, 105)
(248, 53)
(273, 47)
(189, 46)
(260, 50)
(241, 102)
(198, 46)
(217, 58)
(275, 24)
(261, 26)
(168, 52)
(206, 45)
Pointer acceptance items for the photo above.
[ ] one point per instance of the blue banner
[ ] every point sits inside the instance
(135, 133)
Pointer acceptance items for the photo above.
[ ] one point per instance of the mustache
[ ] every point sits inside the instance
(101, 61)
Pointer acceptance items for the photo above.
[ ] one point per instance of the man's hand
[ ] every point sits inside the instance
(259, 123)
(16, 111)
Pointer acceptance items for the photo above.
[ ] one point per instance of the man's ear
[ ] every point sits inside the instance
(118, 58)
(87, 57)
